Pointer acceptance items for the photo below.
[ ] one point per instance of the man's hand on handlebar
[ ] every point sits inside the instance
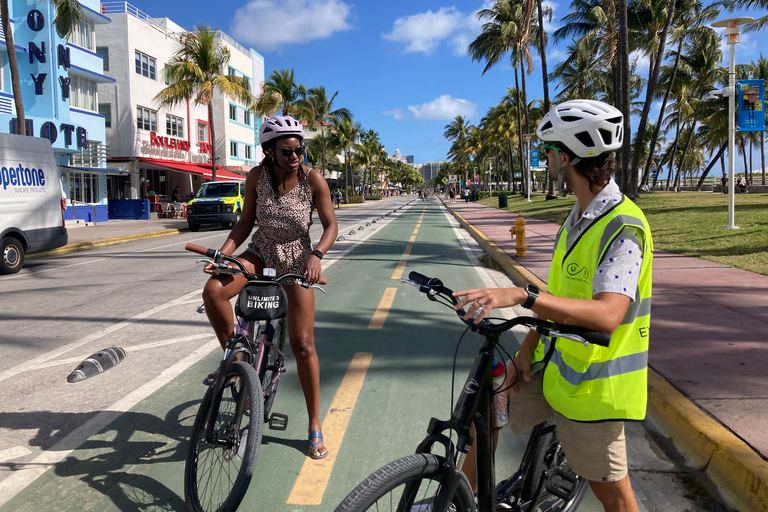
(483, 300)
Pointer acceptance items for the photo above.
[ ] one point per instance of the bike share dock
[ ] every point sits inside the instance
(708, 382)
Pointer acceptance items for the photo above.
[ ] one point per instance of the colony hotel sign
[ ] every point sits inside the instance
(49, 130)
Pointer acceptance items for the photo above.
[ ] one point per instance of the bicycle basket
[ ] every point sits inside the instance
(261, 300)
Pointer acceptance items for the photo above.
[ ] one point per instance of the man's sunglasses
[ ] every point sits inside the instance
(287, 152)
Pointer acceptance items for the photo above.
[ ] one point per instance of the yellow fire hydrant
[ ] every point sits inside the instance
(519, 230)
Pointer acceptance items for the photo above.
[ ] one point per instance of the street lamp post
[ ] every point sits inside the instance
(528, 137)
(731, 26)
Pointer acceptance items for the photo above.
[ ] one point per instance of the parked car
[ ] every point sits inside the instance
(217, 202)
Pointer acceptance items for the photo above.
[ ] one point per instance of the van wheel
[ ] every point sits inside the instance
(11, 256)
(194, 227)
(232, 224)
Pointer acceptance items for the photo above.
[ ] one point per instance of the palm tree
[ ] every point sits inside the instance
(197, 70)
(68, 15)
(281, 94)
(319, 111)
(458, 131)
(345, 134)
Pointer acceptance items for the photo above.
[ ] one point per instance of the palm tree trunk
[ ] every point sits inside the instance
(673, 151)
(213, 141)
(628, 182)
(511, 175)
(13, 64)
(710, 166)
(751, 165)
(661, 113)
(653, 78)
(526, 123)
(519, 132)
(744, 154)
(322, 138)
(681, 168)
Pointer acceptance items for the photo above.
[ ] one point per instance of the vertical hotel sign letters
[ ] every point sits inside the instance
(36, 23)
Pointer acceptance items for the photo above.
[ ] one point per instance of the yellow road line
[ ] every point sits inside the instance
(415, 231)
(418, 225)
(377, 322)
(407, 251)
(313, 477)
(412, 239)
(398, 273)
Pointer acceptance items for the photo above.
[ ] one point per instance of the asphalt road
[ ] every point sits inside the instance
(118, 441)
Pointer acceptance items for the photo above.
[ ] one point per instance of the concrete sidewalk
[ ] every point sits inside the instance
(708, 387)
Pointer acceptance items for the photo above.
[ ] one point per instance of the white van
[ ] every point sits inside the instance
(31, 205)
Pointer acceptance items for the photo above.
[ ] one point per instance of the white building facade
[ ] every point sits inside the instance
(161, 147)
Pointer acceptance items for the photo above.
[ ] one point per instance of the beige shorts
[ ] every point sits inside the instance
(596, 451)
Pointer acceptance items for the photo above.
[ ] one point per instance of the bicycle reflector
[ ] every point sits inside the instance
(261, 300)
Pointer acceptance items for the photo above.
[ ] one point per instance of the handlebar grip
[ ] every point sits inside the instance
(199, 249)
(597, 338)
(419, 278)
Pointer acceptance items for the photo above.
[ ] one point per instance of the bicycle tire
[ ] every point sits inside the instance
(270, 365)
(209, 491)
(548, 455)
(373, 491)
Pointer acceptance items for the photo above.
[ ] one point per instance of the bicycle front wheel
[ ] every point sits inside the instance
(218, 470)
(410, 484)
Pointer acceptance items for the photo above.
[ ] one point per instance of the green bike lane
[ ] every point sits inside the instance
(137, 461)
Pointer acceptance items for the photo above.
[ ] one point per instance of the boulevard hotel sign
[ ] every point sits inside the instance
(37, 54)
(159, 146)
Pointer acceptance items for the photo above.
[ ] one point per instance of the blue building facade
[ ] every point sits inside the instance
(59, 91)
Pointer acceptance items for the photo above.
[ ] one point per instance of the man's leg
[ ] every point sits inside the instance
(616, 496)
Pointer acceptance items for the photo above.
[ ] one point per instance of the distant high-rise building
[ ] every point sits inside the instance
(409, 159)
(429, 170)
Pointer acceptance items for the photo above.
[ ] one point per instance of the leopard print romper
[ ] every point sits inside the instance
(282, 241)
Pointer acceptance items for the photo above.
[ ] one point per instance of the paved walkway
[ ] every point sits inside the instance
(708, 325)
(708, 339)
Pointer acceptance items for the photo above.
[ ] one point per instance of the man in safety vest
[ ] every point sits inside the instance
(600, 279)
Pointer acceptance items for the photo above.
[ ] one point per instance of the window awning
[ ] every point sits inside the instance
(102, 170)
(172, 165)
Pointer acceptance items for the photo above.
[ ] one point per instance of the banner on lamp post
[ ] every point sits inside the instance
(534, 158)
(750, 100)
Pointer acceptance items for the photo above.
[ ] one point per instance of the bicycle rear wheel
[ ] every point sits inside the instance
(271, 364)
(385, 488)
(548, 455)
(218, 470)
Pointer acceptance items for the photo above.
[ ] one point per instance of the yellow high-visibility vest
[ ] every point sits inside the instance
(596, 383)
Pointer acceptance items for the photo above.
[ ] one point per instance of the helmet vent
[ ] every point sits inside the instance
(614, 120)
(606, 135)
(589, 112)
(585, 139)
(571, 119)
(546, 126)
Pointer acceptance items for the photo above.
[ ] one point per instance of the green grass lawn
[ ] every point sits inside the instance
(689, 223)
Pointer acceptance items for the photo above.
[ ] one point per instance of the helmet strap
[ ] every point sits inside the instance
(561, 172)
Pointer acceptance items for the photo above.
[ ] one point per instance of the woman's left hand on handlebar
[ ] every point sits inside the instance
(482, 300)
(313, 270)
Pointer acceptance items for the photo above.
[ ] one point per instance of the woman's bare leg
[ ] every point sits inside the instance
(301, 326)
(217, 293)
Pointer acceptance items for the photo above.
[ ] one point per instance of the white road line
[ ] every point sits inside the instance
(27, 474)
(14, 453)
(33, 363)
(128, 350)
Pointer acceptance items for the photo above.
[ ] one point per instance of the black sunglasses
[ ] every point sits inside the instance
(287, 152)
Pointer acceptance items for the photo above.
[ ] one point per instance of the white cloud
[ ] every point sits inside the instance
(445, 107)
(555, 56)
(643, 63)
(551, 26)
(423, 32)
(398, 113)
(262, 23)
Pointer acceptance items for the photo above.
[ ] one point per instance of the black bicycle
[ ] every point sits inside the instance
(426, 482)
(226, 436)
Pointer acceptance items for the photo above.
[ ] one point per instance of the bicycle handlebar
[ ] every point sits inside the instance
(433, 286)
(218, 259)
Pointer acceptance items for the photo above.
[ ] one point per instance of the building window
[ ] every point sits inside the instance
(247, 118)
(174, 126)
(146, 119)
(82, 35)
(105, 109)
(82, 93)
(247, 152)
(145, 65)
(202, 132)
(233, 112)
(233, 149)
(104, 52)
(231, 71)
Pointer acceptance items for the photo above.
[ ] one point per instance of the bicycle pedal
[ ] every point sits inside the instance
(278, 421)
(562, 484)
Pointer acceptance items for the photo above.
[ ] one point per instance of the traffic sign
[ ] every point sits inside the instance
(453, 178)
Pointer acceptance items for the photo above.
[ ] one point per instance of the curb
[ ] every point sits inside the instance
(81, 246)
(727, 461)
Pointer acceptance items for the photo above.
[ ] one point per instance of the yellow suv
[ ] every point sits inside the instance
(217, 202)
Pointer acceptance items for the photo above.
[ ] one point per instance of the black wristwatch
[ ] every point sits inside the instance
(533, 294)
(317, 253)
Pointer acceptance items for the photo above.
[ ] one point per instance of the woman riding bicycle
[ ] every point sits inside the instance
(281, 193)
(600, 279)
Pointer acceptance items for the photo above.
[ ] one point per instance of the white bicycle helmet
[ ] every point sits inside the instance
(279, 126)
(587, 128)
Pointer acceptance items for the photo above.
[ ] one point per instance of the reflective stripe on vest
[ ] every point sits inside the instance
(596, 383)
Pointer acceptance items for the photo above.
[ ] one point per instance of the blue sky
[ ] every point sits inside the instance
(400, 66)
